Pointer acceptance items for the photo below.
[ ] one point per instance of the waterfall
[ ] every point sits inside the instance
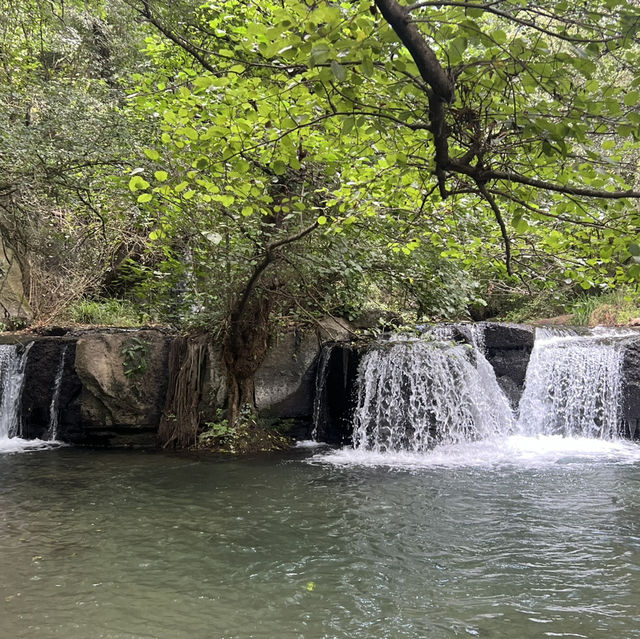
(54, 408)
(13, 360)
(319, 399)
(416, 393)
(573, 385)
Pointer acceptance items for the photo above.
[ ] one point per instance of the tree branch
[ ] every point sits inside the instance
(503, 228)
(432, 72)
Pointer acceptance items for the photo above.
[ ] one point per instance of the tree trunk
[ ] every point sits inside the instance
(244, 350)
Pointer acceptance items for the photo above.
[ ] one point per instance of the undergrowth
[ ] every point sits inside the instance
(248, 435)
(104, 312)
(617, 307)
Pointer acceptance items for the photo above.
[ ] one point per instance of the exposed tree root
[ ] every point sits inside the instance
(180, 418)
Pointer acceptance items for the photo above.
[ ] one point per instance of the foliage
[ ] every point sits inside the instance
(238, 165)
(134, 354)
(248, 434)
(63, 136)
(614, 308)
(103, 312)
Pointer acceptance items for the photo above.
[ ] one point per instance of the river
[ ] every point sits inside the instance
(517, 540)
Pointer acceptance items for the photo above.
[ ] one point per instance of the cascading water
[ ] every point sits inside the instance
(431, 401)
(573, 384)
(319, 399)
(54, 408)
(13, 363)
(414, 394)
(13, 360)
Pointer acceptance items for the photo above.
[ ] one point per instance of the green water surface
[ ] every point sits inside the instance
(118, 545)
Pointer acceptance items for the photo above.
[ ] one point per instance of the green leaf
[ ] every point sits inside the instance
(322, 220)
(161, 176)
(338, 71)
(145, 197)
(191, 133)
(279, 167)
(138, 183)
(632, 98)
(214, 238)
(499, 36)
(319, 54)
(247, 211)
(152, 154)
(367, 67)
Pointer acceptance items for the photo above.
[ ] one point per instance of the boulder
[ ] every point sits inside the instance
(124, 380)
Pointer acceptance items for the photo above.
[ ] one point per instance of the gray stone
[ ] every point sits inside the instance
(335, 329)
(285, 383)
(120, 409)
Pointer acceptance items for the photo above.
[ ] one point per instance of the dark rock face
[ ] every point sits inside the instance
(631, 391)
(336, 393)
(46, 360)
(508, 348)
(284, 384)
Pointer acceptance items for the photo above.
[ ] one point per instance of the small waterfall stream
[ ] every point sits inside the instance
(574, 384)
(13, 366)
(13, 360)
(319, 399)
(54, 408)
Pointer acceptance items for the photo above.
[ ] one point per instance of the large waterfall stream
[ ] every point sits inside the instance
(434, 401)
(413, 394)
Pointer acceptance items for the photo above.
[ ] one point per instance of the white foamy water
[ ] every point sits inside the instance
(417, 393)
(19, 445)
(309, 443)
(514, 450)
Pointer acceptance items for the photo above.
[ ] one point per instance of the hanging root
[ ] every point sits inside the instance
(180, 417)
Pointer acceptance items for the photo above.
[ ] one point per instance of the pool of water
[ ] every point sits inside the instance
(516, 540)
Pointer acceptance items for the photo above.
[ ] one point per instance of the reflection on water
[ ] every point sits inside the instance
(108, 544)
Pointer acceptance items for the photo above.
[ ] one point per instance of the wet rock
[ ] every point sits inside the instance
(631, 391)
(336, 392)
(47, 358)
(508, 348)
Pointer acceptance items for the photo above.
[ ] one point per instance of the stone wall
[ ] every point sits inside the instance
(113, 382)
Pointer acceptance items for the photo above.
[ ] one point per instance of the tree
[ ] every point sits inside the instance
(63, 137)
(330, 117)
